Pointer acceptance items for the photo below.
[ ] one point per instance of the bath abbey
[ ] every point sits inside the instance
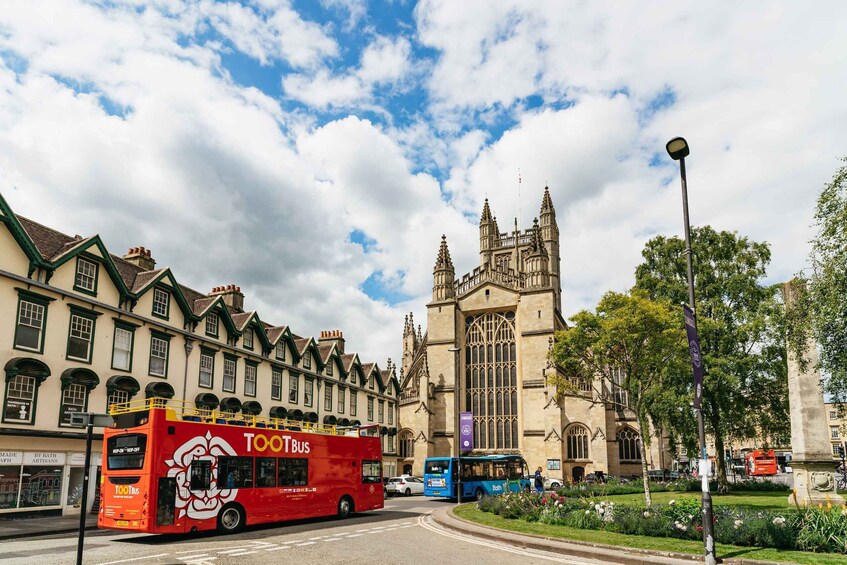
(486, 341)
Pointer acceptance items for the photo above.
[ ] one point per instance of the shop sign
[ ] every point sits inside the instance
(18, 410)
(44, 458)
(78, 459)
(11, 457)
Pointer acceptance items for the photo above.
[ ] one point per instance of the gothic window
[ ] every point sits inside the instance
(491, 379)
(407, 444)
(620, 397)
(629, 445)
(577, 442)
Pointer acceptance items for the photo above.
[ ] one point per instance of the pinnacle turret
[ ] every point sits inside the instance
(546, 201)
(486, 213)
(537, 243)
(443, 262)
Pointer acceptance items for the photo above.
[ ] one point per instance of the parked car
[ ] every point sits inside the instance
(553, 483)
(405, 485)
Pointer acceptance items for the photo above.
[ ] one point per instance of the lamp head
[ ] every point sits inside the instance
(677, 148)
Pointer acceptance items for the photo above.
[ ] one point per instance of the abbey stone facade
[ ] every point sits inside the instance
(498, 322)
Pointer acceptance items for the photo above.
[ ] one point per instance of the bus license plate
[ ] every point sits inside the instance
(122, 523)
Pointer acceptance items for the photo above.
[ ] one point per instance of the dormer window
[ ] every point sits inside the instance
(86, 276)
(307, 360)
(161, 302)
(280, 350)
(248, 339)
(329, 368)
(212, 325)
(371, 383)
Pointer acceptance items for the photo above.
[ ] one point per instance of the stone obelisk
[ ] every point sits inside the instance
(814, 468)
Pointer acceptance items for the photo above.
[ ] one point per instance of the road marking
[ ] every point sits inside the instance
(181, 552)
(278, 548)
(365, 530)
(336, 539)
(354, 535)
(134, 559)
(234, 550)
(318, 537)
(293, 541)
(243, 553)
(198, 556)
(306, 543)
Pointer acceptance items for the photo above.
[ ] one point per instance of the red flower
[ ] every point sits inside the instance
(543, 501)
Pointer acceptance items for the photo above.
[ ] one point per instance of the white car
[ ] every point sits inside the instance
(552, 483)
(404, 485)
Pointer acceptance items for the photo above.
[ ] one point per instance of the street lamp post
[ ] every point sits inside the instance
(678, 150)
(457, 447)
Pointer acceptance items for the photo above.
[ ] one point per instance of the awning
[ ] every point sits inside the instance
(158, 390)
(296, 415)
(251, 408)
(355, 423)
(280, 412)
(124, 383)
(392, 431)
(28, 367)
(311, 417)
(344, 422)
(230, 404)
(383, 431)
(80, 376)
(206, 400)
(330, 420)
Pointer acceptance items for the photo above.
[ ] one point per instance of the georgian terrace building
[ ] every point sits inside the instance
(82, 328)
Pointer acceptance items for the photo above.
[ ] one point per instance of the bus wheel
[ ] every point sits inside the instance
(231, 519)
(479, 494)
(345, 507)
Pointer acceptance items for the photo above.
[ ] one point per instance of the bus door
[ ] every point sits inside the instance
(166, 501)
(469, 470)
(500, 477)
(371, 482)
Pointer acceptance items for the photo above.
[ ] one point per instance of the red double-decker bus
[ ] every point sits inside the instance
(761, 463)
(170, 467)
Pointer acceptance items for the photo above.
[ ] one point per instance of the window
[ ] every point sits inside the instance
(207, 368)
(247, 342)
(29, 333)
(834, 432)
(836, 449)
(229, 374)
(371, 382)
(390, 444)
(201, 474)
(307, 360)
(122, 349)
(250, 379)
(329, 368)
(235, 472)
(407, 444)
(328, 397)
(293, 472)
(20, 400)
(577, 442)
(620, 396)
(390, 412)
(161, 302)
(86, 276)
(370, 409)
(354, 397)
(371, 471)
(80, 338)
(117, 396)
(308, 392)
(381, 411)
(293, 389)
(342, 402)
(833, 415)
(159, 355)
(212, 324)
(629, 445)
(74, 399)
(280, 350)
(265, 472)
(276, 384)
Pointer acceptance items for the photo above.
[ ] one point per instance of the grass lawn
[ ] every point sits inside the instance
(756, 500)
(470, 512)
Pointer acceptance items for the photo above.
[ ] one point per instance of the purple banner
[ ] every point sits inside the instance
(694, 350)
(466, 431)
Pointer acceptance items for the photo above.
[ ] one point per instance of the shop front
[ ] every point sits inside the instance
(37, 481)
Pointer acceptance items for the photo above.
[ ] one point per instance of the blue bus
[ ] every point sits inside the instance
(489, 474)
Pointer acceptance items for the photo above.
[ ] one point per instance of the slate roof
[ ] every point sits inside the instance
(274, 333)
(347, 361)
(301, 344)
(143, 278)
(240, 320)
(325, 349)
(48, 241)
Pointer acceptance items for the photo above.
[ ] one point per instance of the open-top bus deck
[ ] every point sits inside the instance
(171, 467)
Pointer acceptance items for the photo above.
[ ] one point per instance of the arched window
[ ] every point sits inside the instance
(407, 444)
(577, 441)
(629, 445)
(120, 388)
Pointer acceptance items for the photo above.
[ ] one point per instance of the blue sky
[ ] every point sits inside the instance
(313, 153)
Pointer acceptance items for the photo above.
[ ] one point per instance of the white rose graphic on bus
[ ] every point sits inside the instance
(199, 504)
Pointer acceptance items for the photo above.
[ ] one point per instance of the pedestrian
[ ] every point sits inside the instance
(539, 481)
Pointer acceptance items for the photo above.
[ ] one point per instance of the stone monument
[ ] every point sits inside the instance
(814, 468)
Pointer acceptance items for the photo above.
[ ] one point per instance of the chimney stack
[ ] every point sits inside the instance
(140, 257)
(333, 336)
(233, 298)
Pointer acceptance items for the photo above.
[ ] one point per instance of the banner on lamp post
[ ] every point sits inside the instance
(466, 431)
(694, 350)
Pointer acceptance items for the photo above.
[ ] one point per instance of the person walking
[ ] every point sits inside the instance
(539, 481)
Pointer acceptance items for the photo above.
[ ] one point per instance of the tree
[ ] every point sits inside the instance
(629, 336)
(738, 325)
(827, 285)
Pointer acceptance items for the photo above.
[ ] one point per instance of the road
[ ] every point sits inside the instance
(401, 533)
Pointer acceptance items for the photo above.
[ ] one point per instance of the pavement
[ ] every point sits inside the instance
(42, 526)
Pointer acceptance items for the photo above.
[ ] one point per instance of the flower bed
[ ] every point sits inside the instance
(822, 529)
(681, 485)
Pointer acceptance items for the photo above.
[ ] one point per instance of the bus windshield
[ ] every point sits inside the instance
(126, 451)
